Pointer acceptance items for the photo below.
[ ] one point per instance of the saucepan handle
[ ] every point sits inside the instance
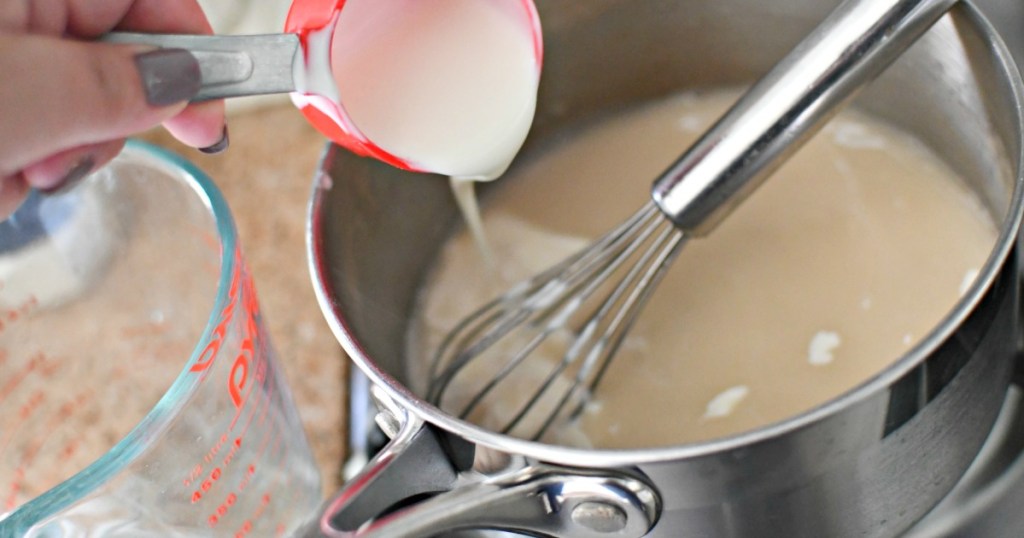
(420, 485)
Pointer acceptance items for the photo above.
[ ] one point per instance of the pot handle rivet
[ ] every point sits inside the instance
(599, 517)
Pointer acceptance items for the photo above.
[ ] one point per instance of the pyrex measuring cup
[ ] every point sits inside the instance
(139, 394)
(301, 62)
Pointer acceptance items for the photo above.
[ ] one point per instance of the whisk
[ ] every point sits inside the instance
(581, 309)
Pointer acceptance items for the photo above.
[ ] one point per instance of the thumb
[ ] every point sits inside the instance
(62, 94)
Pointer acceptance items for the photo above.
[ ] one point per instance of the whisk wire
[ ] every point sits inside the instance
(551, 302)
(626, 301)
(617, 252)
(670, 244)
(498, 314)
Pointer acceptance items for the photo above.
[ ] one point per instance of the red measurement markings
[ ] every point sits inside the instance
(197, 471)
(205, 361)
(65, 411)
(39, 364)
(28, 456)
(268, 433)
(219, 332)
(206, 484)
(257, 406)
(29, 406)
(215, 473)
(222, 509)
(270, 453)
(250, 472)
(248, 525)
(232, 452)
(193, 474)
(247, 374)
(221, 441)
(11, 499)
(10, 316)
(239, 376)
(211, 455)
(251, 387)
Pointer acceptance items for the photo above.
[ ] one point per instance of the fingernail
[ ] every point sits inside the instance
(168, 76)
(221, 144)
(75, 175)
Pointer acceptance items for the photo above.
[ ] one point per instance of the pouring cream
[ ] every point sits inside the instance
(449, 86)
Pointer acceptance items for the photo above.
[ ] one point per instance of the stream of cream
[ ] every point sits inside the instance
(448, 85)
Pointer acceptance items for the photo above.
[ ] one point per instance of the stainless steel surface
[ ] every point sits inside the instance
(781, 111)
(1008, 18)
(232, 66)
(769, 123)
(984, 504)
(986, 501)
(870, 462)
(535, 498)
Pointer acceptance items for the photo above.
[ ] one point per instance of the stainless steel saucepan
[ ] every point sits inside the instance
(870, 462)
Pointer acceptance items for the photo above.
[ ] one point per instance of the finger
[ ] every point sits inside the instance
(48, 17)
(201, 126)
(84, 93)
(164, 16)
(92, 18)
(68, 167)
(13, 191)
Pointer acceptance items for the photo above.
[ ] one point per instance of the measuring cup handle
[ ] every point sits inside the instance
(414, 488)
(231, 66)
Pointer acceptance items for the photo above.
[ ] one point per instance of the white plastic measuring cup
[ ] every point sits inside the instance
(139, 394)
(446, 86)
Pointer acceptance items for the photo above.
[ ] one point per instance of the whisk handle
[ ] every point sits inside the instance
(853, 45)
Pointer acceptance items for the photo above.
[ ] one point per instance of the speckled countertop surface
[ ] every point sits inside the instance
(266, 176)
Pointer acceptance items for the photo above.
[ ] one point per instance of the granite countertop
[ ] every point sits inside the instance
(266, 176)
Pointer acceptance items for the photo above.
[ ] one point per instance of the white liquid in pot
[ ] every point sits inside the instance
(844, 259)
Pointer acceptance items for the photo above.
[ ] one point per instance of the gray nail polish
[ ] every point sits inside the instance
(168, 76)
(74, 176)
(220, 146)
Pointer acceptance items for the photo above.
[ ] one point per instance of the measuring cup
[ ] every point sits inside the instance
(139, 393)
(299, 62)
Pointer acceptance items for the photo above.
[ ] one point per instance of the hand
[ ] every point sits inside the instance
(67, 103)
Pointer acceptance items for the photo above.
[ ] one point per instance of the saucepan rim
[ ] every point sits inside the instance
(604, 458)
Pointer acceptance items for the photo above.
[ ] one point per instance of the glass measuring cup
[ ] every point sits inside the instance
(139, 394)
(304, 62)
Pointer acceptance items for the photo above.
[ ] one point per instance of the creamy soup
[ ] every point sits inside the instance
(837, 266)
